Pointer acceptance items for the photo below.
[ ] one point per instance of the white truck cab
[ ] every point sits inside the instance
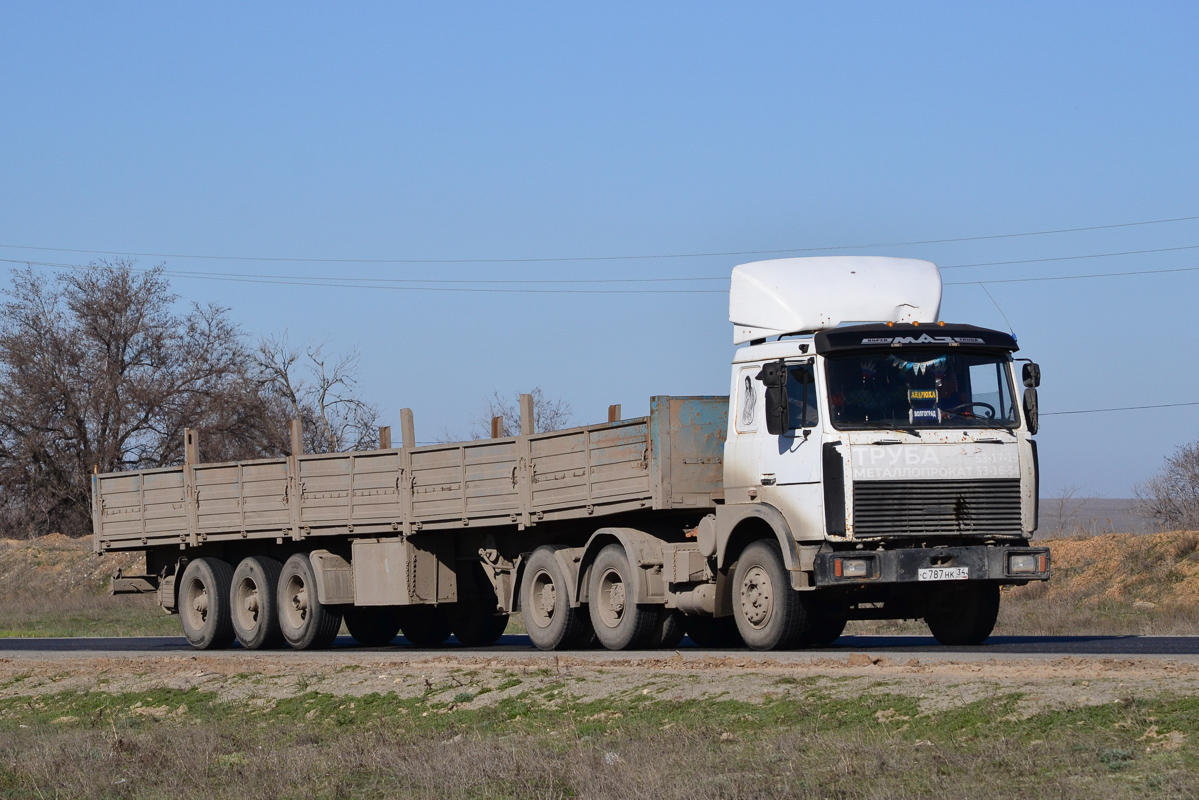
(893, 448)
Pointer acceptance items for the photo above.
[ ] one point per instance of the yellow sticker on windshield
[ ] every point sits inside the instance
(922, 394)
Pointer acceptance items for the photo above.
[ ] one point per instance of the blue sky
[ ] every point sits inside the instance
(473, 131)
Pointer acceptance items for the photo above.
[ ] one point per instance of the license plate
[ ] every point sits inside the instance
(944, 574)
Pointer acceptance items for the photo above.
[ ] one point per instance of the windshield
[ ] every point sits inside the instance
(919, 389)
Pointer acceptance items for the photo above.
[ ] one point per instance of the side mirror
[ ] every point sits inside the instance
(1030, 407)
(774, 377)
(1032, 375)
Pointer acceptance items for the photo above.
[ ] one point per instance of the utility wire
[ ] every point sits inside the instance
(397, 285)
(1122, 408)
(990, 281)
(599, 258)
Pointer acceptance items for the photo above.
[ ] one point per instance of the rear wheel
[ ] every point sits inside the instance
(204, 604)
(770, 614)
(713, 632)
(551, 622)
(306, 622)
(667, 630)
(619, 622)
(963, 615)
(372, 626)
(254, 597)
(424, 626)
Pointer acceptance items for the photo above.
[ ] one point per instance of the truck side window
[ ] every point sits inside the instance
(747, 404)
(801, 391)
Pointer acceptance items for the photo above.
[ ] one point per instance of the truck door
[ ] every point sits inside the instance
(794, 457)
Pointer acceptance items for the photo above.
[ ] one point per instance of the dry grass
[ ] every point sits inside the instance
(56, 586)
(805, 744)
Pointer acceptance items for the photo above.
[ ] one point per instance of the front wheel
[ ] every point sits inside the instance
(770, 614)
(964, 616)
(306, 622)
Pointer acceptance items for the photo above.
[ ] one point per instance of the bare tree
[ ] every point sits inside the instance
(1066, 506)
(318, 388)
(1171, 497)
(548, 415)
(98, 371)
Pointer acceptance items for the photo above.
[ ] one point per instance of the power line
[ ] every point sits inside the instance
(334, 284)
(1071, 258)
(402, 285)
(1073, 277)
(553, 259)
(1122, 408)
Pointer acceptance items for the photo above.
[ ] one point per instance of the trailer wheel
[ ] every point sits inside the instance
(475, 618)
(619, 622)
(714, 632)
(545, 604)
(204, 604)
(254, 595)
(372, 626)
(963, 615)
(476, 624)
(424, 626)
(306, 622)
(770, 614)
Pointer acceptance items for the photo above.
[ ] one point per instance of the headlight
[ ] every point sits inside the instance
(855, 568)
(1021, 564)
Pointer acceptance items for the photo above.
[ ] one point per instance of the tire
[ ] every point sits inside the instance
(713, 632)
(306, 622)
(204, 604)
(551, 622)
(619, 622)
(476, 625)
(254, 598)
(824, 631)
(963, 616)
(770, 614)
(475, 619)
(667, 631)
(372, 626)
(424, 626)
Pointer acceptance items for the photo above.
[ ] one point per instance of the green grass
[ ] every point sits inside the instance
(548, 744)
(110, 616)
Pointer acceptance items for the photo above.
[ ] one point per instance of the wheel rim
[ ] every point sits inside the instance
(544, 599)
(757, 597)
(195, 604)
(247, 603)
(295, 602)
(612, 599)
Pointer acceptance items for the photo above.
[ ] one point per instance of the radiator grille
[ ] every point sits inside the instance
(901, 508)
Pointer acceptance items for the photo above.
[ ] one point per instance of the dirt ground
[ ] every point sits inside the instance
(1044, 684)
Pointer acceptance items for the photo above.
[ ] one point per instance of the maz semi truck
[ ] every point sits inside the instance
(869, 462)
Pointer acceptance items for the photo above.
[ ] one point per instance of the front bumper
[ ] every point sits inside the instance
(905, 565)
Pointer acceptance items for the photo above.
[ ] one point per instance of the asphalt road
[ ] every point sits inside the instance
(1008, 646)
